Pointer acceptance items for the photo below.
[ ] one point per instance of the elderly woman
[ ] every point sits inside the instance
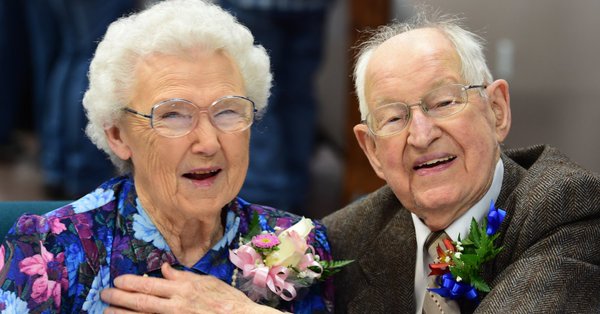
(173, 92)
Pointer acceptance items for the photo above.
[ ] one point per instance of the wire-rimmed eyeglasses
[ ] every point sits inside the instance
(390, 119)
(177, 117)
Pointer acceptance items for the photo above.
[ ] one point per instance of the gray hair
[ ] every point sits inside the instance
(168, 27)
(468, 45)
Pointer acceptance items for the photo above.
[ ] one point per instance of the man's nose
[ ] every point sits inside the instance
(422, 129)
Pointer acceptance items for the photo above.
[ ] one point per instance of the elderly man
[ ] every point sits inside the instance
(433, 122)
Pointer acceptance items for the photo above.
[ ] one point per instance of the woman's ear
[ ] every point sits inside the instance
(117, 142)
(369, 147)
(499, 99)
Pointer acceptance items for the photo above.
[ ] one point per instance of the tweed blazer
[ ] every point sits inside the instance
(550, 262)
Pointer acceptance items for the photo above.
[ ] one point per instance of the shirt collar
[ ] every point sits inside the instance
(478, 211)
(151, 250)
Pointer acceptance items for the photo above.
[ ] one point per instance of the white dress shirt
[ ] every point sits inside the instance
(460, 226)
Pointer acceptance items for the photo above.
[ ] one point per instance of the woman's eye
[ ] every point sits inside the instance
(171, 115)
(226, 113)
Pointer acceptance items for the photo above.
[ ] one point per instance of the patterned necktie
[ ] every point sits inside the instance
(433, 302)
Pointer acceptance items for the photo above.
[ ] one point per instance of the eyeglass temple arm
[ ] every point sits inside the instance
(476, 86)
(137, 113)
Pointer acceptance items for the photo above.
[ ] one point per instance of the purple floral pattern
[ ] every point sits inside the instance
(59, 262)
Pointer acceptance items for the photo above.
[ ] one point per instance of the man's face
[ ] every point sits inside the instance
(437, 167)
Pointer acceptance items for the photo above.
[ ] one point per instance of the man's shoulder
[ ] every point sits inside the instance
(544, 190)
(366, 209)
(365, 218)
(553, 210)
(541, 158)
(541, 169)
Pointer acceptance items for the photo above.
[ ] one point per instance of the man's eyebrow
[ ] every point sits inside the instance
(387, 101)
(443, 82)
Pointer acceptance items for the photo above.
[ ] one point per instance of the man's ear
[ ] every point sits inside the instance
(117, 143)
(369, 147)
(499, 98)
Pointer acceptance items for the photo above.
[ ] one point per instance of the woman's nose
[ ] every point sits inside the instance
(205, 137)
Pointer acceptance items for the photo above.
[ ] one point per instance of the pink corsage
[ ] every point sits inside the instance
(275, 265)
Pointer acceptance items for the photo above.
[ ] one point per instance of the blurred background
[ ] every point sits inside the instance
(546, 49)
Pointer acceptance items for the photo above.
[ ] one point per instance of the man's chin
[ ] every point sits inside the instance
(438, 213)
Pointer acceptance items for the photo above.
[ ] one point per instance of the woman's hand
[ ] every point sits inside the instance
(179, 292)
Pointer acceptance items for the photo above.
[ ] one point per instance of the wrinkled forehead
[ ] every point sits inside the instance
(420, 59)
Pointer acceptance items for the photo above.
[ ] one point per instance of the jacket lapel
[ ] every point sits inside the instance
(389, 269)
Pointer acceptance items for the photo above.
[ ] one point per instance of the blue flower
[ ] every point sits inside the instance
(96, 199)
(74, 259)
(231, 226)
(145, 230)
(11, 304)
(93, 303)
(495, 218)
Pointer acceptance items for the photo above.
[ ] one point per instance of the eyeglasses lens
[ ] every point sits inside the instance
(177, 118)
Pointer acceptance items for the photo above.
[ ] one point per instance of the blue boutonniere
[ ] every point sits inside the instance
(458, 267)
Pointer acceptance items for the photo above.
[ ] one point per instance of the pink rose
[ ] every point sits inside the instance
(2, 257)
(56, 226)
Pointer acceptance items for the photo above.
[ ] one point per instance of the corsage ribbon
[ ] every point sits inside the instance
(495, 218)
(250, 262)
(450, 288)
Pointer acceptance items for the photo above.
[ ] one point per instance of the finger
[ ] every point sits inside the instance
(169, 272)
(116, 310)
(181, 276)
(132, 301)
(147, 285)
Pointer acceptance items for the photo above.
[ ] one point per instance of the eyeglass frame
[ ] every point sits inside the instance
(200, 110)
(420, 104)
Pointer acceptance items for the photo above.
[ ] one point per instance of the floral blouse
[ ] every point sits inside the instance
(59, 262)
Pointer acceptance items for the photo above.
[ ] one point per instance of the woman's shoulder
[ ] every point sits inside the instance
(275, 217)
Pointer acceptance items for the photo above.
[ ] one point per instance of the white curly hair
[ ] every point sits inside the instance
(468, 45)
(168, 27)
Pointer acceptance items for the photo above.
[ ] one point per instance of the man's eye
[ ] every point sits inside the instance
(445, 103)
(442, 104)
(393, 120)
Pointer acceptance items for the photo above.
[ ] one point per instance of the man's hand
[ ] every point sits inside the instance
(179, 292)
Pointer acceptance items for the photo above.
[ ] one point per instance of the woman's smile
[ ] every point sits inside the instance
(203, 177)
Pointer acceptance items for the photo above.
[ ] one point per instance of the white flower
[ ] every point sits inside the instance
(98, 198)
(458, 279)
(447, 259)
(146, 230)
(292, 244)
(12, 304)
(93, 303)
(457, 255)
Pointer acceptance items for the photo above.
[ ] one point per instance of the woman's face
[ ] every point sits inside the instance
(198, 173)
